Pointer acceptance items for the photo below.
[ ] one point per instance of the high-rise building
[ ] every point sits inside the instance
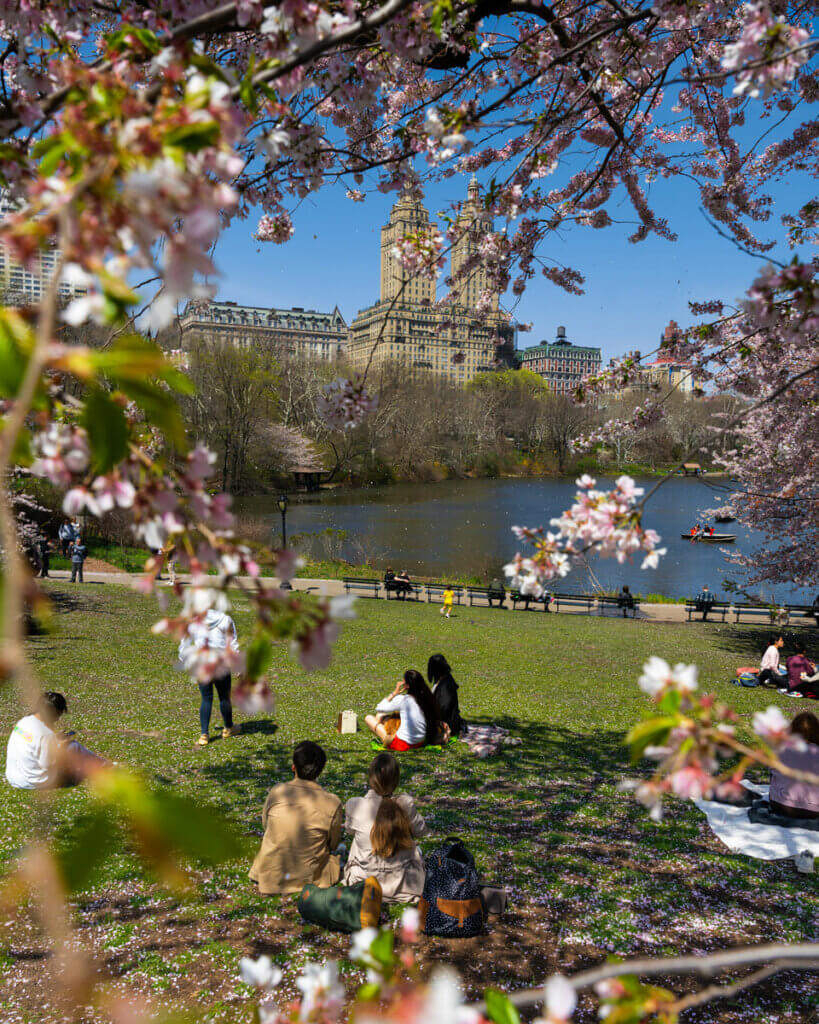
(561, 364)
(297, 332)
(408, 217)
(473, 223)
(405, 326)
(21, 285)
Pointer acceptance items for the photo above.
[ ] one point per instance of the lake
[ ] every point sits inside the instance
(464, 527)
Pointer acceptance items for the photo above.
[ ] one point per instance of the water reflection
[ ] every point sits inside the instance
(464, 527)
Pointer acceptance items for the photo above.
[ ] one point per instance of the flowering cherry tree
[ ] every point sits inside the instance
(135, 131)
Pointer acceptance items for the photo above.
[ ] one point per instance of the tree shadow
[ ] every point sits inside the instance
(263, 726)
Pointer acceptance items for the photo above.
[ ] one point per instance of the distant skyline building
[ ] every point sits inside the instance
(663, 373)
(296, 332)
(405, 327)
(561, 363)
(26, 285)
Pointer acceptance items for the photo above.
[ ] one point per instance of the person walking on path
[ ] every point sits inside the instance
(66, 535)
(45, 551)
(79, 553)
(449, 597)
(216, 633)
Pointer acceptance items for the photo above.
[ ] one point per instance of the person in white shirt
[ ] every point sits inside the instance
(770, 671)
(208, 641)
(38, 758)
(412, 699)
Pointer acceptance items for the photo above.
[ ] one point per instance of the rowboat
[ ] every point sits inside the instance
(713, 538)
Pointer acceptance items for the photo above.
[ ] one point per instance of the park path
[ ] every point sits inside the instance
(334, 588)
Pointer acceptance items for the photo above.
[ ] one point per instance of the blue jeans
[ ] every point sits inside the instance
(222, 685)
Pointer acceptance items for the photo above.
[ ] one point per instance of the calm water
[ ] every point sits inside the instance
(464, 527)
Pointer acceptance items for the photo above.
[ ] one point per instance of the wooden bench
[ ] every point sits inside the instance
(403, 591)
(526, 599)
(802, 615)
(484, 593)
(716, 608)
(604, 602)
(370, 588)
(437, 590)
(582, 601)
(754, 612)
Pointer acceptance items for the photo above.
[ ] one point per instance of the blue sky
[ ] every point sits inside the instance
(631, 291)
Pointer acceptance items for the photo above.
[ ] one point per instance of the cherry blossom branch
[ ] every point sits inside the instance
(804, 956)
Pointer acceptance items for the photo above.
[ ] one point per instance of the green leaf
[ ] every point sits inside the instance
(107, 430)
(160, 408)
(93, 839)
(651, 732)
(15, 343)
(368, 992)
(259, 655)
(193, 137)
(382, 948)
(499, 1008)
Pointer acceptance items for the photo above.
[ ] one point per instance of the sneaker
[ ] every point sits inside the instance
(203, 740)
(782, 689)
(233, 731)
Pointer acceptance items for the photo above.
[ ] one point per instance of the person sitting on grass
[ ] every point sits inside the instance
(412, 700)
(770, 670)
(302, 828)
(401, 872)
(37, 757)
(800, 671)
(445, 691)
(788, 796)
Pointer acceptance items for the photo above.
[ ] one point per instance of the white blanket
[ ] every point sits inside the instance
(763, 842)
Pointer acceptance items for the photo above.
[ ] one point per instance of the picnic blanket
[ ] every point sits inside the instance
(762, 842)
(486, 740)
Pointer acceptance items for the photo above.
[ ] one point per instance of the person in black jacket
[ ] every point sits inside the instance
(445, 691)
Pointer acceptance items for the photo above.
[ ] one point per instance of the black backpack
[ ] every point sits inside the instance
(452, 905)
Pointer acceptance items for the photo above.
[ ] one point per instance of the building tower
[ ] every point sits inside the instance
(409, 216)
(473, 223)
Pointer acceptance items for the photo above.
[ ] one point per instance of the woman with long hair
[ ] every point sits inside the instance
(388, 853)
(412, 700)
(445, 691)
(789, 796)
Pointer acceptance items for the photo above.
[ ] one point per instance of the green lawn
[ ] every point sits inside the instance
(590, 874)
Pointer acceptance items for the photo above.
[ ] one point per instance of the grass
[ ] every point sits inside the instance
(590, 874)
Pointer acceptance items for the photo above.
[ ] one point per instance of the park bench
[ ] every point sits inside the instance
(716, 608)
(370, 588)
(754, 613)
(437, 590)
(569, 601)
(483, 594)
(526, 599)
(606, 602)
(410, 591)
(801, 615)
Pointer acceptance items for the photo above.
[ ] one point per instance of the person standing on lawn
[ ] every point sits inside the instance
(79, 553)
(45, 551)
(66, 535)
(216, 633)
(449, 597)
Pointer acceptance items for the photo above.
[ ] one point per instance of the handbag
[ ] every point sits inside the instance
(342, 908)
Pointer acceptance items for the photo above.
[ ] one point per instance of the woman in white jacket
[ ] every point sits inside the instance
(401, 875)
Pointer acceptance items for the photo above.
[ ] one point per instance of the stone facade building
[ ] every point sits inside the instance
(408, 328)
(296, 333)
(663, 374)
(561, 364)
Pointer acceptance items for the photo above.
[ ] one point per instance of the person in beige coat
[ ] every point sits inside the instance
(402, 874)
(302, 828)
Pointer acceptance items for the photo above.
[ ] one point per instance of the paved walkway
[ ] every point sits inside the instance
(333, 588)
